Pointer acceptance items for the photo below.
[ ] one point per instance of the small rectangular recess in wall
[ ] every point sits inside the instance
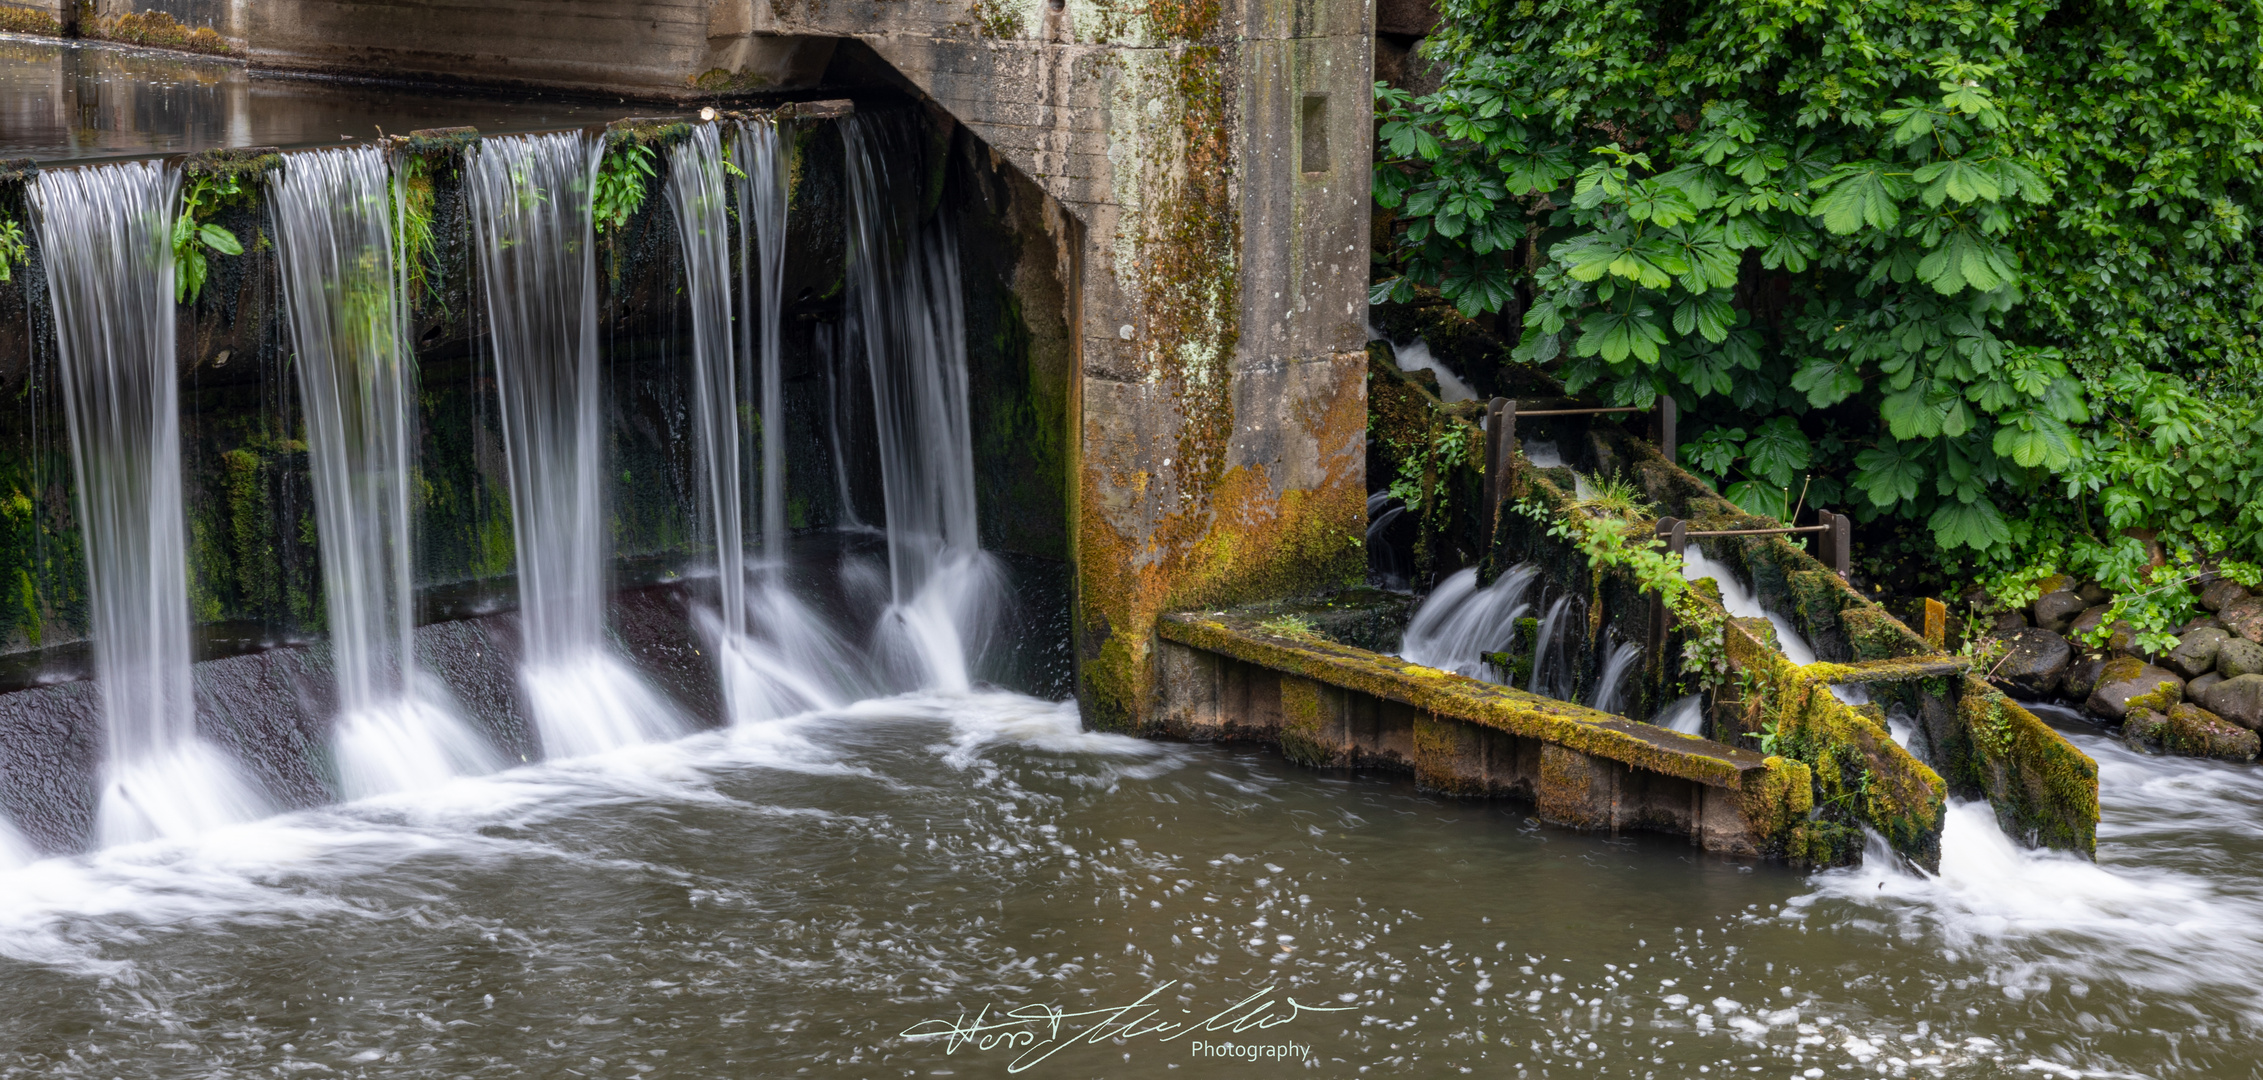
(1315, 132)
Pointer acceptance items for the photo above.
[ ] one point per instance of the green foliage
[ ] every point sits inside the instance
(1951, 259)
(413, 240)
(1620, 543)
(623, 181)
(1290, 626)
(14, 247)
(201, 197)
(1425, 465)
(1613, 497)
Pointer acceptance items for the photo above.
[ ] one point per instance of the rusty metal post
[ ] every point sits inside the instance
(1842, 544)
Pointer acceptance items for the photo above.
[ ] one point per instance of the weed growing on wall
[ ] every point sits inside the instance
(201, 196)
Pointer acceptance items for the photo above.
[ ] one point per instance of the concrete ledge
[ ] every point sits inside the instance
(1223, 677)
(1446, 695)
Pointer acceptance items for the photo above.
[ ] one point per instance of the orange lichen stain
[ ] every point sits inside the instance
(1242, 542)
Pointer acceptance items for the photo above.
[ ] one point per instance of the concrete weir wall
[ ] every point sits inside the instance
(1206, 171)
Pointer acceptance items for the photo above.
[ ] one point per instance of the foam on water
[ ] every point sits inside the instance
(406, 743)
(592, 702)
(15, 851)
(1738, 598)
(174, 793)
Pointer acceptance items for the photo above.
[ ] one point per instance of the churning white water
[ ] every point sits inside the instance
(529, 202)
(106, 237)
(1738, 598)
(2161, 912)
(1458, 623)
(1415, 355)
(344, 294)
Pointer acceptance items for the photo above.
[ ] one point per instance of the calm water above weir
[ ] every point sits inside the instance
(788, 899)
(88, 101)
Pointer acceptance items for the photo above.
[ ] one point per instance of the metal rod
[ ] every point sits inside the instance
(1578, 412)
(1763, 532)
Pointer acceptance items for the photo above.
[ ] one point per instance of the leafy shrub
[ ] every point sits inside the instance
(1988, 267)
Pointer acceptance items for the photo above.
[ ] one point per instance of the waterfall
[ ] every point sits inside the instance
(762, 250)
(904, 285)
(529, 201)
(1551, 626)
(105, 233)
(1459, 623)
(1686, 715)
(696, 198)
(1610, 687)
(831, 357)
(396, 727)
(774, 657)
(1738, 599)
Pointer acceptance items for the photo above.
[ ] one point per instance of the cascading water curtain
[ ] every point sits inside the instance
(775, 658)
(696, 195)
(762, 249)
(904, 284)
(105, 234)
(529, 199)
(348, 320)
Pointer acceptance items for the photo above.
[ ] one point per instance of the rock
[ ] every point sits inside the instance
(2244, 617)
(2195, 654)
(2205, 622)
(2199, 686)
(2238, 657)
(2238, 700)
(2220, 594)
(2093, 594)
(2141, 729)
(2054, 611)
(2007, 624)
(2036, 664)
(2195, 732)
(2127, 683)
(2082, 675)
(2055, 583)
(2088, 620)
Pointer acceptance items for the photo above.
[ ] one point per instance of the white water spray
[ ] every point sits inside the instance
(343, 292)
(106, 236)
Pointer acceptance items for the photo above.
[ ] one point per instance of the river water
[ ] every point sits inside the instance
(792, 898)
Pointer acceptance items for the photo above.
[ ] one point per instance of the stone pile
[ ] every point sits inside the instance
(2203, 698)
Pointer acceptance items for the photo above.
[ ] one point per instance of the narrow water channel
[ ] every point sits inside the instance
(791, 898)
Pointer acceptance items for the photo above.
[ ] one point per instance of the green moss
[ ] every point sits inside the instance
(1302, 735)
(2044, 790)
